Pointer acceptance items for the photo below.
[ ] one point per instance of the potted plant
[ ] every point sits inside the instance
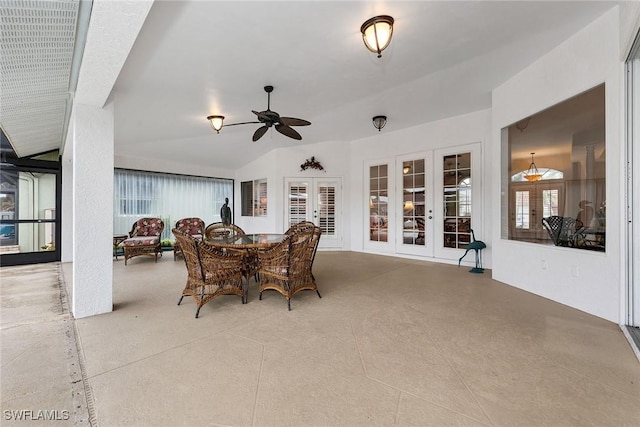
(167, 244)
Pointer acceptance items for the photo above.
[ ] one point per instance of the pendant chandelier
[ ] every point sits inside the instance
(532, 174)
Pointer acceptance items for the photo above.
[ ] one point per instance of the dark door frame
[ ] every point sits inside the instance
(42, 166)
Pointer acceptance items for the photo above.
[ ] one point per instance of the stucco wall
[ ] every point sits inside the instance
(585, 280)
(448, 133)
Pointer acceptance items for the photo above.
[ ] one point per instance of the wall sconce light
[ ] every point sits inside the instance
(406, 169)
(216, 122)
(379, 122)
(377, 32)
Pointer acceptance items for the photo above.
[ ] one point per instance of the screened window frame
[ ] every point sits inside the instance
(170, 200)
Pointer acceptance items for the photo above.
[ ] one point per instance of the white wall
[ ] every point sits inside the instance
(66, 244)
(283, 163)
(454, 131)
(586, 280)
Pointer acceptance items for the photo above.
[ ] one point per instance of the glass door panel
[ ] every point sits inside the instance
(378, 203)
(456, 193)
(325, 213)
(415, 206)
(458, 204)
(28, 219)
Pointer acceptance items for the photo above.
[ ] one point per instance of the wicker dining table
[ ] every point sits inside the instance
(246, 241)
(247, 245)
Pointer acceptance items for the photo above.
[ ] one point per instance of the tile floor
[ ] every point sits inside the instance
(391, 342)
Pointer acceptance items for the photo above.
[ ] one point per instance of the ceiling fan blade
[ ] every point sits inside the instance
(287, 131)
(292, 121)
(259, 132)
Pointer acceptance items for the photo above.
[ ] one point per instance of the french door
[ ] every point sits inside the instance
(530, 202)
(425, 204)
(317, 200)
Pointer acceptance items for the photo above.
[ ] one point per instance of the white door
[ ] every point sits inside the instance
(457, 200)
(317, 200)
(438, 199)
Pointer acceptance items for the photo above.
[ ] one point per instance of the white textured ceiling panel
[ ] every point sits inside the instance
(37, 40)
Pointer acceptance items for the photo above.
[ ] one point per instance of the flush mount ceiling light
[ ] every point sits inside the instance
(377, 32)
(216, 122)
(532, 174)
(379, 122)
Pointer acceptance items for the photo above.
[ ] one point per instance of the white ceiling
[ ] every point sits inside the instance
(197, 58)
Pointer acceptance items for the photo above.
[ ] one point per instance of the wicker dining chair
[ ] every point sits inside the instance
(219, 229)
(287, 267)
(210, 272)
(299, 226)
(192, 226)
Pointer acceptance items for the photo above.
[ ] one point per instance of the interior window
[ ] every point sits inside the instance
(556, 164)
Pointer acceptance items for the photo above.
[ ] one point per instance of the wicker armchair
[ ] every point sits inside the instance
(287, 267)
(561, 229)
(218, 229)
(144, 239)
(191, 226)
(210, 272)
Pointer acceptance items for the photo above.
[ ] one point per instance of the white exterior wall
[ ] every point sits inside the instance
(385, 146)
(585, 60)
(283, 163)
(66, 248)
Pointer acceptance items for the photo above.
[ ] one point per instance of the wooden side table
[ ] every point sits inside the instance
(117, 239)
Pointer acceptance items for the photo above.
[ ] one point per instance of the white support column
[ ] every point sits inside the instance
(93, 132)
(66, 244)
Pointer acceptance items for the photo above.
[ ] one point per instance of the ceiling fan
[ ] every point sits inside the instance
(269, 119)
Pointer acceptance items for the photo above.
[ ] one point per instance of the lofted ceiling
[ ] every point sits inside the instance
(192, 59)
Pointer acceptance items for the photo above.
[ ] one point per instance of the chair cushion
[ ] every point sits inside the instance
(149, 227)
(192, 226)
(142, 241)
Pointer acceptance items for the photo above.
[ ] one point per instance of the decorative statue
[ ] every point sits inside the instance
(476, 245)
(225, 212)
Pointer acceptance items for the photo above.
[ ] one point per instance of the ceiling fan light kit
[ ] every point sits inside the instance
(268, 119)
(216, 122)
(377, 32)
